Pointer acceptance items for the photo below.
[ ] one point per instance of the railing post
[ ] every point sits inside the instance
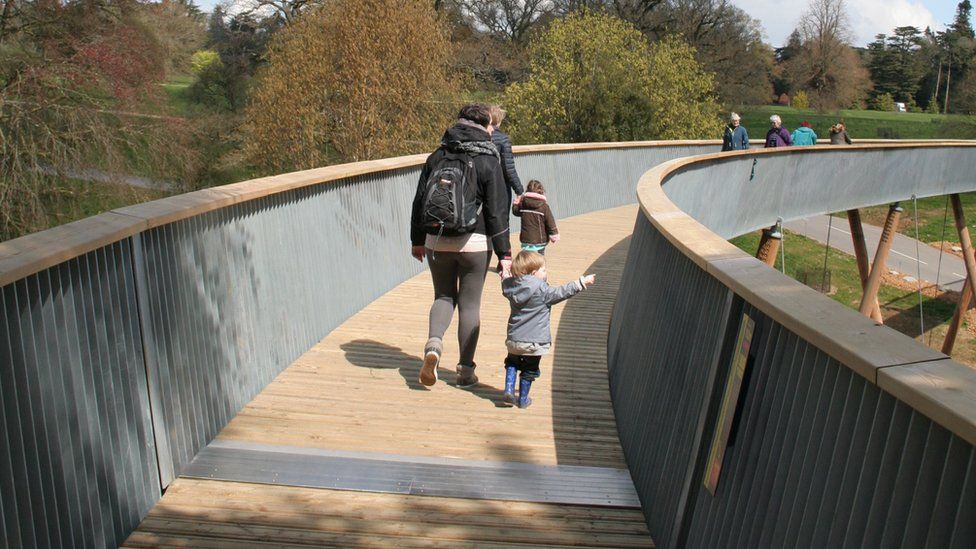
(164, 457)
(769, 245)
(967, 292)
(870, 296)
(861, 254)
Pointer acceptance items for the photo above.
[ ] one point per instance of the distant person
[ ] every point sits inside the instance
(458, 215)
(529, 336)
(838, 135)
(504, 144)
(777, 136)
(538, 223)
(736, 138)
(804, 136)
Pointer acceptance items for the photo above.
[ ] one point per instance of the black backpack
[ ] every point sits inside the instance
(451, 206)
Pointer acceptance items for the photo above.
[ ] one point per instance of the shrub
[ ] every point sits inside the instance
(800, 100)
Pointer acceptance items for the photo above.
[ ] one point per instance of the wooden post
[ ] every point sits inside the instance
(961, 308)
(967, 292)
(870, 297)
(861, 254)
(769, 245)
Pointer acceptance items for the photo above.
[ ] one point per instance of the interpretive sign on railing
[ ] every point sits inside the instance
(730, 400)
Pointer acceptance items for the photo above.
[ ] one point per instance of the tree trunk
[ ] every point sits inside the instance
(945, 107)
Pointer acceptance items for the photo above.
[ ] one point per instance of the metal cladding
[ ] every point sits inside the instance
(819, 454)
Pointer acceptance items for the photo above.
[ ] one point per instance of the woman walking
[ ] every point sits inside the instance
(460, 214)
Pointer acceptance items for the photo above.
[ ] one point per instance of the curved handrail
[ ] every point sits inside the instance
(947, 391)
(32, 253)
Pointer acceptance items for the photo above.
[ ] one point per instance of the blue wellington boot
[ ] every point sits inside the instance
(523, 400)
(509, 396)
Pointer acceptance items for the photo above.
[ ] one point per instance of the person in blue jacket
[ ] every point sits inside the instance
(804, 135)
(736, 138)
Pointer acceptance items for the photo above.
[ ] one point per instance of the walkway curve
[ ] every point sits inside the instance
(357, 391)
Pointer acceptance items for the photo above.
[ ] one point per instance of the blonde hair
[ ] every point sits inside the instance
(734, 116)
(526, 263)
(497, 115)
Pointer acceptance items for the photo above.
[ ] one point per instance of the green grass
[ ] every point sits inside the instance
(862, 124)
(899, 307)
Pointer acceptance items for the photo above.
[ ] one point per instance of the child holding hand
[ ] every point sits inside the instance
(529, 337)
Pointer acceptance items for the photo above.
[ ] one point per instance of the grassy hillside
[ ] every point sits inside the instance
(862, 124)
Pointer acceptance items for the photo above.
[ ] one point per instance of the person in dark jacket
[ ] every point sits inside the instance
(458, 264)
(838, 135)
(501, 140)
(538, 223)
(777, 136)
(735, 138)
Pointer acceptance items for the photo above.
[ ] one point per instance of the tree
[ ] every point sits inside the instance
(594, 78)
(511, 19)
(825, 65)
(179, 28)
(896, 64)
(353, 80)
(727, 41)
(70, 75)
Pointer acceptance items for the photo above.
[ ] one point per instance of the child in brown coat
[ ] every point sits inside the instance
(538, 223)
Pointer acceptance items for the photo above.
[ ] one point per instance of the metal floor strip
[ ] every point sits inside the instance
(414, 475)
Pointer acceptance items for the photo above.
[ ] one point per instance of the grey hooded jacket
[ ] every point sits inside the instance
(530, 298)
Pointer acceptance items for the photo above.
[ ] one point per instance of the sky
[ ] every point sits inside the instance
(868, 17)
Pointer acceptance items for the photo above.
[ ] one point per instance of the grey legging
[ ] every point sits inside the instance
(459, 279)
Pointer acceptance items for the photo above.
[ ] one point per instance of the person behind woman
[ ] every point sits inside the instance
(458, 263)
(736, 138)
(804, 135)
(504, 144)
(777, 136)
(838, 135)
(538, 223)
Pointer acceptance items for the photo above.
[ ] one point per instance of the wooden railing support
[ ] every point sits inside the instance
(769, 245)
(861, 254)
(870, 297)
(967, 292)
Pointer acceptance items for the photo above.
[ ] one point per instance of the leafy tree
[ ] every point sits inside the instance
(800, 100)
(896, 63)
(727, 41)
(594, 78)
(179, 28)
(353, 80)
(70, 75)
(825, 65)
(883, 102)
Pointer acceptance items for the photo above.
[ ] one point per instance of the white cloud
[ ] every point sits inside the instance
(868, 17)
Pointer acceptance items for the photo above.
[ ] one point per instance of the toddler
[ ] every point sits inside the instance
(528, 325)
(538, 223)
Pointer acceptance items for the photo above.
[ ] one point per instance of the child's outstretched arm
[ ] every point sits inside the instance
(552, 295)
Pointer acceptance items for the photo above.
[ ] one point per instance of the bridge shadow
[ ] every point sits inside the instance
(581, 408)
(367, 353)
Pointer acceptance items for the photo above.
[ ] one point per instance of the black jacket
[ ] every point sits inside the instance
(504, 144)
(493, 220)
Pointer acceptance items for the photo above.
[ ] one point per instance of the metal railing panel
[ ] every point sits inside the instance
(662, 369)
(78, 459)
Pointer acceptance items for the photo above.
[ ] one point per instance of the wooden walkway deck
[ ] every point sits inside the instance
(357, 391)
